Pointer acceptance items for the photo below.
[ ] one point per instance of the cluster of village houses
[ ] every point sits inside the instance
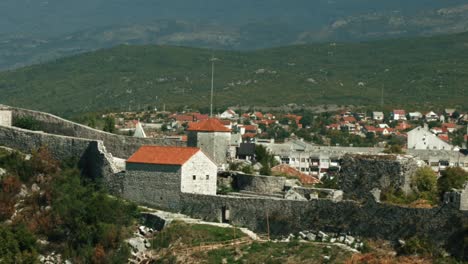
(231, 136)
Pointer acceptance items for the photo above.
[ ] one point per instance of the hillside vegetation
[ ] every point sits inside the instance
(415, 72)
(48, 209)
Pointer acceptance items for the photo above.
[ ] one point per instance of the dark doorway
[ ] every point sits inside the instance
(225, 215)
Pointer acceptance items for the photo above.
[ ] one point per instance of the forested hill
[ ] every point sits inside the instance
(419, 71)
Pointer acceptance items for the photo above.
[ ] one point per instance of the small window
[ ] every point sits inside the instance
(207, 177)
(194, 177)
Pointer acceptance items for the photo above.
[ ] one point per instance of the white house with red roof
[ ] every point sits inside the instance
(159, 174)
(212, 137)
(399, 114)
(229, 114)
(431, 116)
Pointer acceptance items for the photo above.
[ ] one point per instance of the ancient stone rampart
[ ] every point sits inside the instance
(253, 183)
(91, 154)
(118, 145)
(374, 220)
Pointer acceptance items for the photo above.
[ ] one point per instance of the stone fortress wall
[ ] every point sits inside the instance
(93, 158)
(66, 140)
(443, 225)
(118, 145)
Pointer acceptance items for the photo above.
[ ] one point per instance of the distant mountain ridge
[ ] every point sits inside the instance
(422, 72)
(35, 32)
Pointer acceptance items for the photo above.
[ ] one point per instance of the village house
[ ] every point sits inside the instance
(399, 114)
(450, 111)
(286, 170)
(431, 116)
(246, 151)
(160, 173)
(229, 114)
(378, 116)
(414, 116)
(449, 127)
(422, 138)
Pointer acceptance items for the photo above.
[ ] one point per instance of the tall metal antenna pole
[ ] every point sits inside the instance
(212, 85)
(382, 97)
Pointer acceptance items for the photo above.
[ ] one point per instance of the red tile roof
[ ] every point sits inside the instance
(449, 125)
(200, 117)
(184, 118)
(399, 112)
(250, 128)
(290, 171)
(258, 115)
(225, 122)
(209, 125)
(444, 137)
(349, 119)
(162, 155)
(249, 135)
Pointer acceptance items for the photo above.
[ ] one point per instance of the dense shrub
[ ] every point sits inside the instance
(424, 183)
(17, 245)
(91, 223)
(84, 224)
(452, 178)
(27, 122)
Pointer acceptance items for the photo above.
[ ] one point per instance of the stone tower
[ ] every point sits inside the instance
(212, 137)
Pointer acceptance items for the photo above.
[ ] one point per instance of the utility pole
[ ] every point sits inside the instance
(268, 225)
(212, 85)
(382, 97)
(213, 59)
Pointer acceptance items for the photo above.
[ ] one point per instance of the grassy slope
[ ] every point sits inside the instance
(421, 71)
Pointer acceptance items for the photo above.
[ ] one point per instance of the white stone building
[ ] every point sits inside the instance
(5, 118)
(422, 138)
(229, 114)
(431, 116)
(399, 114)
(378, 116)
(188, 168)
(415, 115)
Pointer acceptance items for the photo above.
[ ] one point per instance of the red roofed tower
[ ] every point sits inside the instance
(212, 137)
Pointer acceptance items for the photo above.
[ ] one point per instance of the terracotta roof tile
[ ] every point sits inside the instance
(162, 155)
(209, 125)
(290, 171)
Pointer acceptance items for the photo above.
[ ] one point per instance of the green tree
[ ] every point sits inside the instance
(425, 180)
(424, 183)
(452, 178)
(394, 149)
(109, 124)
(265, 158)
(306, 120)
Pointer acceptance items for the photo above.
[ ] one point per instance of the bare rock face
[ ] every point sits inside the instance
(360, 174)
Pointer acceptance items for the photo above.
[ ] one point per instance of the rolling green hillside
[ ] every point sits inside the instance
(421, 71)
